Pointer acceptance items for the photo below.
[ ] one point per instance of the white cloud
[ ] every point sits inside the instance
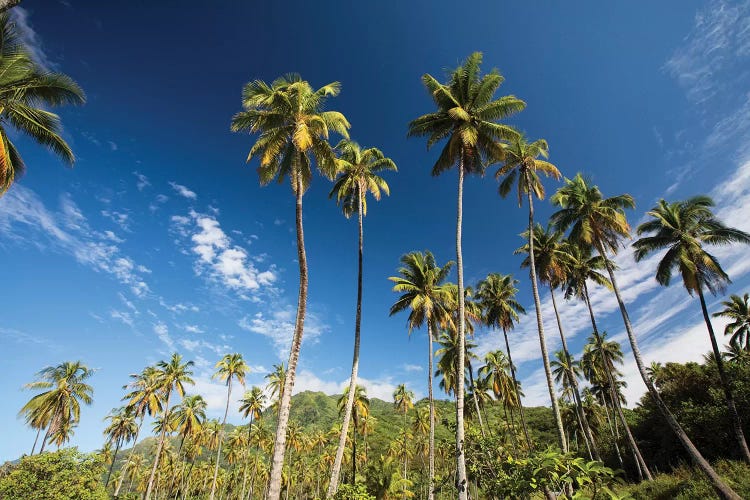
(183, 191)
(192, 329)
(380, 388)
(218, 257)
(278, 326)
(162, 331)
(122, 316)
(25, 219)
(31, 39)
(122, 219)
(142, 181)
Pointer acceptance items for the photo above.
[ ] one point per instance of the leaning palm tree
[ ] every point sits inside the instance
(26, 92)
(737, 310)
(251, 405)
(494, 374)
(358, 174)
(58, 409)
(521, 160)
(188, 418)
(121, 429)
(467, 116)
(173, 376)
(360, 410)
(599, 222)
(685, 228)
(496, 296)
(231, 367)
(424, 293)
(552, 264)
(293, 130)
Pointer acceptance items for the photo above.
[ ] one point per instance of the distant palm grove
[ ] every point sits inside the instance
(472, 436)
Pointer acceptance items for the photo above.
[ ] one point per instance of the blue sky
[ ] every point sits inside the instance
(160, 238)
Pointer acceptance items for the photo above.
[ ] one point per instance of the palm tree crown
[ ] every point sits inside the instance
(521, 159)
(737, 310)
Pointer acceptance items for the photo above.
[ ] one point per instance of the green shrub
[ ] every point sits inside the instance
(686, 483)
(353, 492)
(62, 475)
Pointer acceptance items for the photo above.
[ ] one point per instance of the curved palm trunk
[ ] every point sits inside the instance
(588, 436)
(431, 479)
(334, 483)
(354, 449)
(719, 485)
(159, 448)
(277, 462)
(540, 326)
(221, 439)
(132, 450)
(614, 398)
(474, 397)
(112, 465)
(461, 479)
(38, 431)
(521, 415)
(736, 422)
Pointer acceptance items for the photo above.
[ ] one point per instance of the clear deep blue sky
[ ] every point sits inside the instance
(161, 238)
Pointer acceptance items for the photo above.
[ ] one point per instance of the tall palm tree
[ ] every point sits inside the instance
(424, 293)
(145, 398)
(229, 368)
(521, 160)
(358, 174)
(496, 296)
(403, 401)
(467, 116)
(600, 222)
(293, 130)
(26, 92)
(251, 405)
(276, 383)
(494, 373)
(552, 265)
(685, 228)
(58, 409)
(187, 419)
(737, 310)
(121, 429)
(360, 410)
(173, 375)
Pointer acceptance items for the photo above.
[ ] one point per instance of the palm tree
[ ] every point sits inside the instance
(467, 116)
(521, 161)
(173, 376)
(552, 265)
(26, 92)
(358, 174)
(737, 310)
(251, 405)
(276, 383)
(293, 129)
(599, 222)
(655, 370)
(496, 296)
(145, 398)
(230, 367)
(58, 409)
(424, 293)
(187, 419)
(685, 228)
(360, 410)
(495, 374)
(121, 429)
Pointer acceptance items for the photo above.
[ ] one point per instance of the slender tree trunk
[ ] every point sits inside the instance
(476, 401)
(132, 450)
(221, 439)
(277, 462)
(112, 465)
(719, 485)
(431, 479)
(540, 326)
(46, 437)
(726, 386)
(244, 475)
(150, 486)
(38, 431)
(588, 436)
(354, 450)
(334, 483)
(521, 415)
(461, 479)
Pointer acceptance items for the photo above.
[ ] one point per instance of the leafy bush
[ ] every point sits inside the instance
(353, 492)
(62, 475)
(686, 483)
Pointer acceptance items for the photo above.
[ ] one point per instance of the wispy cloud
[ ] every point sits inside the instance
(31, 38)
(142, 181)
(278, 326)
(183, 191)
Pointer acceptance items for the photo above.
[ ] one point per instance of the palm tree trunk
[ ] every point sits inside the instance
(38, 431)
(244, 475)
(333, 484)
(736, 422)
(540, 326)
(461, 479)
(354, 450)
(588, 436)
(132, 449)
(431, 451)
(476, 401)
(277, 462)
(221, 439)
(112, 465)
(150, 486)
(521, 415)
(719, 485)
